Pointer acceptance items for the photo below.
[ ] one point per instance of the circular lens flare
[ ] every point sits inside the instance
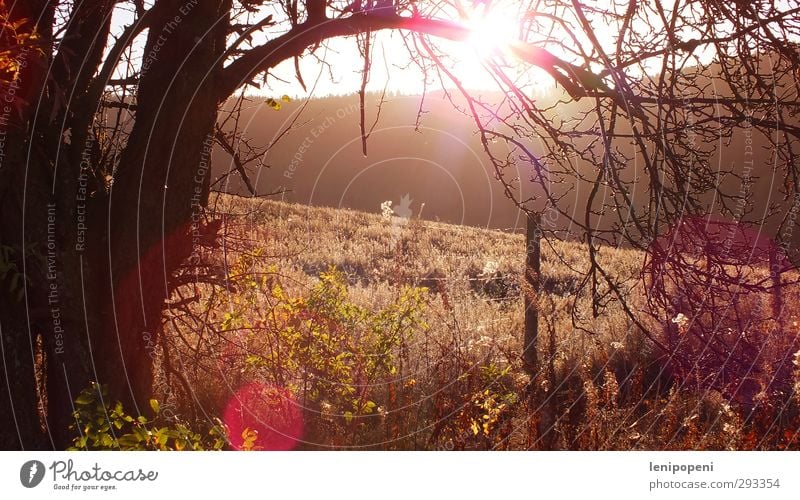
(263, 417)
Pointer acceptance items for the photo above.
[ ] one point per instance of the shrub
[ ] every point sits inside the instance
(341, 361)
(724, 296)
(100, 425)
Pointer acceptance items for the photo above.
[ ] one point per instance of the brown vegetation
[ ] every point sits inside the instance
(424, 320)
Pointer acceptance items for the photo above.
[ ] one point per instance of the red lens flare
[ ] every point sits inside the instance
(272, 412)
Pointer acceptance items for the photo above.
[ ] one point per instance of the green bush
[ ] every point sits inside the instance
(101, 426)
(339, 359)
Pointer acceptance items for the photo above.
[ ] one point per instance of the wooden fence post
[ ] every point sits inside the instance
(530, 289)
(776, 263)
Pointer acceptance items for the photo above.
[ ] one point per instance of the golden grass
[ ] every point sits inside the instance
(601, 386)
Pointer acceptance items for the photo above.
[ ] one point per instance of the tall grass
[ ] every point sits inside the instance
(409, 337)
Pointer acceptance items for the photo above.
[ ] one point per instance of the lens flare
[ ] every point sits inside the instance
(271, 412)
(491, 32)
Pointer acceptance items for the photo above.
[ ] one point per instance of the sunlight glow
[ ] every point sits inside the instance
(491, 31)
(494, 27)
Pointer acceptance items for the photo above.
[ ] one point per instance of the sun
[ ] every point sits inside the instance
(493, 28)
(492, 31)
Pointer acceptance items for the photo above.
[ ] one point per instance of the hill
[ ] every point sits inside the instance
(393, 332)
(441, 163)
(320, 161)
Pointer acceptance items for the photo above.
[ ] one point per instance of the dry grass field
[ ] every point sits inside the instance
(352, 330)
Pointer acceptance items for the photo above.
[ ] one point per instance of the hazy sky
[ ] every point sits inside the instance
(392, 65)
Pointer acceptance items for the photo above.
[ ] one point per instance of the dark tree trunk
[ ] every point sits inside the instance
(161, 183)
(43, 219)
(73, 364)
(96, 267)
(26, 315)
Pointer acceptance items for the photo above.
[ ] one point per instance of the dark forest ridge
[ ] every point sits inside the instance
(317, 159)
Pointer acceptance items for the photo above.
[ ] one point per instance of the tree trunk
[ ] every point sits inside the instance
(160, 187)
(97, 269)
(29, 318)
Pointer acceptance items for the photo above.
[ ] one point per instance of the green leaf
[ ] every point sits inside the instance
(106, 441)
(140, 434)
(155, 406)
(80, 443)
(369, 406)
(85, 398)
(128, 441)
(162, 436)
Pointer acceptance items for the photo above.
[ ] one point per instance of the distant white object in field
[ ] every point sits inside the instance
(402, 210)
(490, 268)
(398, 215)
(386, 210)
(681, 320)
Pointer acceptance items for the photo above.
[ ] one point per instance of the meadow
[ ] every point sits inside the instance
(323, 328)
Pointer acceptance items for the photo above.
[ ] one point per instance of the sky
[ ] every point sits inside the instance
(392, 67)
(494, 26)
